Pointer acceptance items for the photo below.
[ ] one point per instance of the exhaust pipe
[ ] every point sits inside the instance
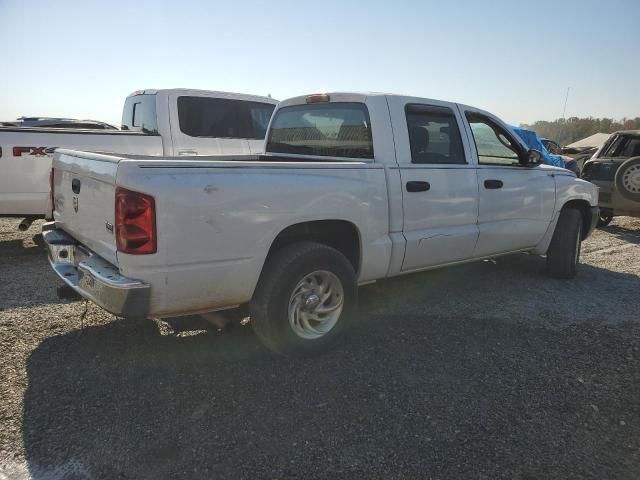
(65, 292)
(25, 224)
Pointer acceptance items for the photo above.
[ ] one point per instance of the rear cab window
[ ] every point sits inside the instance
(336, 129)
(207, 117)
(139, 114)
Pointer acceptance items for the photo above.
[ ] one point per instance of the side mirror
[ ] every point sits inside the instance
(533, 157)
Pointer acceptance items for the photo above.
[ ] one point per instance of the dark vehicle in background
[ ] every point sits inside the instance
(615, 169)
(53, 122)
(579, 151)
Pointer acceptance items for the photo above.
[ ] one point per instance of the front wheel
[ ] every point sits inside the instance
(305, 299)
(564, 251)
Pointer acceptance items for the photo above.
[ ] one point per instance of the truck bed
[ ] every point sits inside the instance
(74, 131)
(216, 216)
(25, 160)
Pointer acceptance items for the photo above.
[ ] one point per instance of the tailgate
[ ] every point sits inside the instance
(84, 199)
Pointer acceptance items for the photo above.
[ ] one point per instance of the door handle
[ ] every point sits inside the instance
(418, 186)
(493, 184)
(75, 185)
(188, 153)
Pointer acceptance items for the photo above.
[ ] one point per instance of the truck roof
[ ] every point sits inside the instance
(211, 93)
(341, 96)
(352, 97)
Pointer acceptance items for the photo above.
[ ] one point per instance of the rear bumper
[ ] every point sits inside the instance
(93, 277)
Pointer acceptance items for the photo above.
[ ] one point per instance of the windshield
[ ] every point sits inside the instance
(328, 129)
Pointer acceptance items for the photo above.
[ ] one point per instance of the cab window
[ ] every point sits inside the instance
(622, 146)
(434, 136)
(336, 129)
(223, 117)
(139, 114)
(494, 145)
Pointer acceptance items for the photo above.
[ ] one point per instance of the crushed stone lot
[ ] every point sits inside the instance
(483, 371)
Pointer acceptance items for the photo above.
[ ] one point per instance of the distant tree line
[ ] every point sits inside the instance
(566, 131)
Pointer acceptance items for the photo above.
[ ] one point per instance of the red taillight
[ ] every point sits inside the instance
(135, 222)
(53, 205)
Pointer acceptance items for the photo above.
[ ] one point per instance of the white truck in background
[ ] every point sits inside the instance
(169, 122)
(353, 188)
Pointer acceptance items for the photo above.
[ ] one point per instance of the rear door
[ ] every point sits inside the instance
(516, 201)
(440, 190)
(217, 125)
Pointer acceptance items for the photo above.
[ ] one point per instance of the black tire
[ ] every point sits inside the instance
(605, 218)
(564, 251)
(283, 271)
(628, 179)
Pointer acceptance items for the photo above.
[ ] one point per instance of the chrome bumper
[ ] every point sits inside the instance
(93, 277)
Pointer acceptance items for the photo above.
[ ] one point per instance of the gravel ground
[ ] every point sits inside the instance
(483, 371)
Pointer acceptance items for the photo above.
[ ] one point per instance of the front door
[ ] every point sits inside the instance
(516, 201)
(440, 190)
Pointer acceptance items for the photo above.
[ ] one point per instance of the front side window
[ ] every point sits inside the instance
(223, 117)
(434, 135)
(324, 129)
(493, 144)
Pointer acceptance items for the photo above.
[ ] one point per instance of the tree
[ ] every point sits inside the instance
(572, 129)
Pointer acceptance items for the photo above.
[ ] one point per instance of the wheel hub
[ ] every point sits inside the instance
(631, 179)
(315, 304)
(311, 302)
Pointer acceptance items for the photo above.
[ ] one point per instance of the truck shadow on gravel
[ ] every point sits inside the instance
(14, 243)
(22, 247)
(437, 379)
(625, 234)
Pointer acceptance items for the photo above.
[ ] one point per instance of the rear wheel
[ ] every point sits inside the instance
(305, 299)
(564, 251)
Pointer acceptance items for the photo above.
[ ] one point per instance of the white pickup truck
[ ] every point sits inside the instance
(352, 188)
(154, 122)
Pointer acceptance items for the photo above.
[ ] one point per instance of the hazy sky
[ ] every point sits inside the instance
(516, 59)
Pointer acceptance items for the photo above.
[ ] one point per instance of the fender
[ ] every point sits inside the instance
(568, 188)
